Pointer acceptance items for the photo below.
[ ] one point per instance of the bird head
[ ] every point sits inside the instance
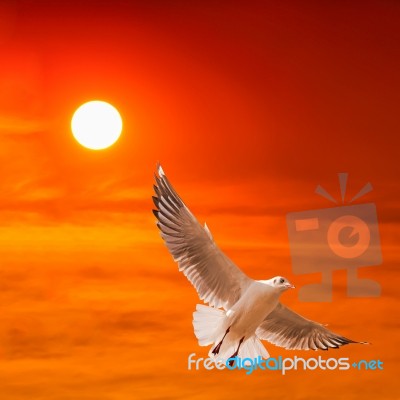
(281, 283)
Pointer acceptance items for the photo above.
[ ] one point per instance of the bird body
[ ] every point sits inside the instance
(242, 319)
(252, 308)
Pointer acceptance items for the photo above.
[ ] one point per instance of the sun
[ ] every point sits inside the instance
(96, 125)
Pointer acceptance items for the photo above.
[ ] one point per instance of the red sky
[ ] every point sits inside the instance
(248, 106)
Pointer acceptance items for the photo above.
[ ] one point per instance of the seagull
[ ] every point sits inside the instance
(241, 311)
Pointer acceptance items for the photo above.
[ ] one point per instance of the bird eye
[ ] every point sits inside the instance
(281, 280)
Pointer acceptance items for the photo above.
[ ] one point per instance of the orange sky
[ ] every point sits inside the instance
(248, 105)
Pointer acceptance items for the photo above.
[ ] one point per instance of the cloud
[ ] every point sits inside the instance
(15, 126)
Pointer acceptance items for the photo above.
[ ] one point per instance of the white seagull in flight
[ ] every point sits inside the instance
(241, 311)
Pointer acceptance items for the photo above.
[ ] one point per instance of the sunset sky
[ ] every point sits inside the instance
(248, 106)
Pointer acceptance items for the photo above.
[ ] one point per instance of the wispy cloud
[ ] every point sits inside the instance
(13, 126)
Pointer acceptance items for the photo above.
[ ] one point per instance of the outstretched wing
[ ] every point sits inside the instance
(285, 328)
(218, 281)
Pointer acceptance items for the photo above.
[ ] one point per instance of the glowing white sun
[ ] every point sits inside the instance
(96, 125)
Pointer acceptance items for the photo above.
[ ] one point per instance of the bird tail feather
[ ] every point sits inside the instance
(209, 329)
(207, 322)
(252, 348)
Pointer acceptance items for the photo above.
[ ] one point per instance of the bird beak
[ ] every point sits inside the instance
(290, 286)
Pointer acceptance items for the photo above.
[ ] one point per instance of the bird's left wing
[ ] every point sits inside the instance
(216, 278)
(285, 328)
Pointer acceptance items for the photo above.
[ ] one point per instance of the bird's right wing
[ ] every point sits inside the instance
(218, 281)
(285, 328)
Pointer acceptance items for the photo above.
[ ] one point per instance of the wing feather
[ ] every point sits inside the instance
(285, 328)
(218, 281)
